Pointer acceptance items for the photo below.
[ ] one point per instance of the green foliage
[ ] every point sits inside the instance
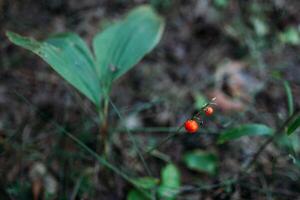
(136, 195)
(85, 186)
(200, 101)
(289, 95)
(69, 56)
(221, 3)
(170, 182)
(245, 130)
(292, 127)
(117, 49)
(146, 182)
(260, 26)
(167, 190)
(290, 36)
(201, 161)
(290, 142)
(20, 190)
(122, 45)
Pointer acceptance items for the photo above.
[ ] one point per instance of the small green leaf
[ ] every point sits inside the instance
(260, 26)
(290, 36)
(221, 3)
(292, 127)
(69, 56)
(289, 95)
(290, 142)
(245, 130)
(170, 183)
(136, 195)
(122, 45)
(201, 161)
(200, 101)
(146, 182)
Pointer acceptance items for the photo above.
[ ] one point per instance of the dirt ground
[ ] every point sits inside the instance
(239, 51)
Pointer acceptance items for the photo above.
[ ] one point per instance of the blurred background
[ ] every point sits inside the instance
(244, 53)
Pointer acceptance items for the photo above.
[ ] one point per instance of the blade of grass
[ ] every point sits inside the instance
(293, 125)
(289, 95)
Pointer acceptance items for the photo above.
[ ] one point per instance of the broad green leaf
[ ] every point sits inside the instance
(69, 56)
(201, 161)
(170, 182)
(146, 182)
(122, 45)
(289, 95)
(245, 130)
(293, 126)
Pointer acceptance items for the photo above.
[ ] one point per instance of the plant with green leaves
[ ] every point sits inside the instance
(115, 51)
(167, 188)
(288, 126)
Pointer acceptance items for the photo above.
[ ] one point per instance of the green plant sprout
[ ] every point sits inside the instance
(115, 51)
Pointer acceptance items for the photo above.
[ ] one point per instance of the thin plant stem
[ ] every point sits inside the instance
(165, 140)
(132, 139)
(177, 132)
(103, 128)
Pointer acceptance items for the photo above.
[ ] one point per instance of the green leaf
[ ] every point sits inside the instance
(201, 161)
(122, 45)
(291, 142)
(221, 3)
(290, 36)
(170, 182)
(260, 26)
(69, 56)
(136, 195)
(200, 101)
(292, 127)
(289, 95)
(146, 182)
(245, 130)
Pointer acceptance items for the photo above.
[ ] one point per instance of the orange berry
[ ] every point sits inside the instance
(209, 110)
(191, 126)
